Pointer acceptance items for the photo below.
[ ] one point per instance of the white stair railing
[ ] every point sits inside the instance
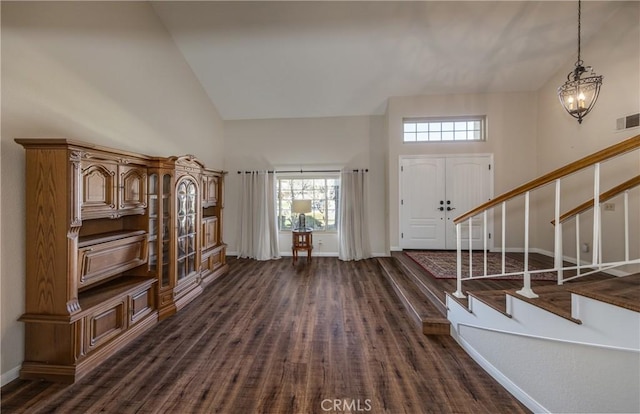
(487, 210)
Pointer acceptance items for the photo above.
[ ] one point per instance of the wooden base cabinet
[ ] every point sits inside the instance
(113, 244)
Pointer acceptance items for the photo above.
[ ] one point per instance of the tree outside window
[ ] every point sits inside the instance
(323, 193)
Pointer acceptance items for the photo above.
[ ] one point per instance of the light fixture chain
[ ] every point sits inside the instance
(579, 27)
(579, 94)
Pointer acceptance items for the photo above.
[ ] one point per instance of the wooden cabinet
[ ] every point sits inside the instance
(186, 247)
(115, 241)
(88, 290)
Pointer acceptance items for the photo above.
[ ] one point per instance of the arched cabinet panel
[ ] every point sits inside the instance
(132, 188)
(98, 197)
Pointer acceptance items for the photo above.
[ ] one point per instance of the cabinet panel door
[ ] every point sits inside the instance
(209, 232)
(141, 304)
(133, 187)
(98, 192)
(210, 191)
(105, 324)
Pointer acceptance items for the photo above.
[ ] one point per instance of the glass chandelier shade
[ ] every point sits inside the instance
(580, 92)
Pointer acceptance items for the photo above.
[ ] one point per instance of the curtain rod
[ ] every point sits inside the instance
(303, 171)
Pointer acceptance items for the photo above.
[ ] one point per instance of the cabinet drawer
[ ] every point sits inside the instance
(141, 304)
(100, 261)
(105, 324)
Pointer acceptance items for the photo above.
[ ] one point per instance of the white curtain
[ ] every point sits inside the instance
(353, 231)
(258, 237)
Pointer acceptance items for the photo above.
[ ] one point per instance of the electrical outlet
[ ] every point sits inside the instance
(609, 207)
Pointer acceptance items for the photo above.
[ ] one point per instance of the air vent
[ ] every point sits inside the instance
(627, 122)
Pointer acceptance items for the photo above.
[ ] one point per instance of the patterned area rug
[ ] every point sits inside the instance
(442, 265)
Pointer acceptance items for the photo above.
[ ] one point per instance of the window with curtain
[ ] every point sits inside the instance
(323, 191)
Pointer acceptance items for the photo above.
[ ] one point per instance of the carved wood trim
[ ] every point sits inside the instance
(600, 156)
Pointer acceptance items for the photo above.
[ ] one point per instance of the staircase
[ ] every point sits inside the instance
(572, 345)
(575, 348)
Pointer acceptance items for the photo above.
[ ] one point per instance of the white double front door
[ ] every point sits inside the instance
(434, 190)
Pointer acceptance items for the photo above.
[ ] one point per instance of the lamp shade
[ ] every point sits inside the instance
(301, 206)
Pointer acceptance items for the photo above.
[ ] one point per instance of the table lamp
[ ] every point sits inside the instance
(301, 207)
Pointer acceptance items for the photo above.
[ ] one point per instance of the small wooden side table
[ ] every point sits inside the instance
(301, 240)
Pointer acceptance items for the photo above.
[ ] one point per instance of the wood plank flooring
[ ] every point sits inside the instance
(492, 291)
(270, 337)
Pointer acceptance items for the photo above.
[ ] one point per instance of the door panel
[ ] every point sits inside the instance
(422, 189)
(467, 185)
(459, 182)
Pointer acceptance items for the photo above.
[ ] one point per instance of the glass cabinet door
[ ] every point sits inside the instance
(159, 199)
(166, 225)
(186, 219)
(154, 209)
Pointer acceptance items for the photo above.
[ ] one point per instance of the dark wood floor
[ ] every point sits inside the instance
(273, 338)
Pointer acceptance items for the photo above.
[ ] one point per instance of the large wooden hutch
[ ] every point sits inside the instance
(115, 241)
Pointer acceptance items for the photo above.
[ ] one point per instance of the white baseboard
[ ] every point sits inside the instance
(9, 376)
(496, 374)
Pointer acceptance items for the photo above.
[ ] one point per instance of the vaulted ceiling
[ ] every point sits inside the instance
(313, 59)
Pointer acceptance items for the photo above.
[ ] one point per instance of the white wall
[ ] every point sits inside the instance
(552, 364)
(307, 143)
(511, 137)
(101, 72)
(615, 54)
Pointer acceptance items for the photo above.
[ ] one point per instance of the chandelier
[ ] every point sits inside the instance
(579, 93)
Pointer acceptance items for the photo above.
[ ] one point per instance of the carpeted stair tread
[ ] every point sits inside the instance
(442, 264)
(424, 313)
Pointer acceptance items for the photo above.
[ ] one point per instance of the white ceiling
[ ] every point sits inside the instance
(313, 59)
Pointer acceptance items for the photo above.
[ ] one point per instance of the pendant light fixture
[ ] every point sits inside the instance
(579, 93)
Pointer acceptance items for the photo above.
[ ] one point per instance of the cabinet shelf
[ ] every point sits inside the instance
(116, 288)
(94, 239)
(102, 256)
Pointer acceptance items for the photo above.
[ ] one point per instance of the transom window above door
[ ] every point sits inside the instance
(471, 128)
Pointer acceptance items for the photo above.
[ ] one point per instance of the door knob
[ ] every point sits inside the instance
(441, 208)
(450, 208)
